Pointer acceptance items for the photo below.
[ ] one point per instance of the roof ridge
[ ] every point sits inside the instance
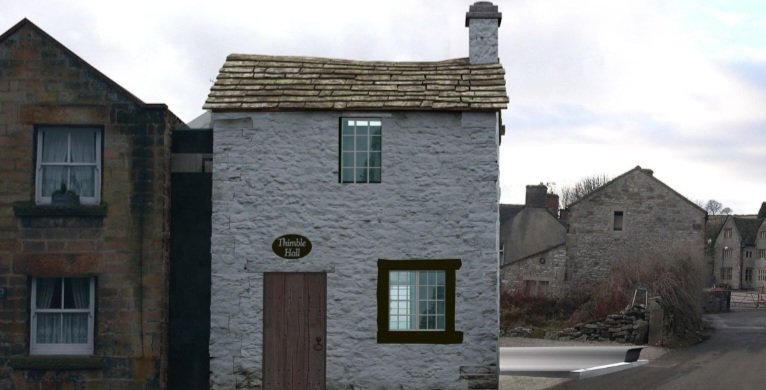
(313, 59)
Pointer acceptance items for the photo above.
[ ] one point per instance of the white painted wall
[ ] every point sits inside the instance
(277, 173)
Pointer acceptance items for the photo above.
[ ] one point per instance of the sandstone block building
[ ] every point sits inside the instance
(737, 249)
(83, 222)
(632, 217)
(355, 217)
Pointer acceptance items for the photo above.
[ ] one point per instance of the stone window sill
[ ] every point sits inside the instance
(55, 362)
(32, 210)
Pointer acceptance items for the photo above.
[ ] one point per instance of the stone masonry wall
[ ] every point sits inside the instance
(548, 266)
(41, 83)
(656, 222)
(733, 261)
(277, 173)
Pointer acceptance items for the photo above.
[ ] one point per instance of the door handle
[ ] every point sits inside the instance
(318, 346)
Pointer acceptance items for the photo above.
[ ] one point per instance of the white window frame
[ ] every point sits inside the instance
(39, 198)
(353, 123)
(36, 348)
(415, 307)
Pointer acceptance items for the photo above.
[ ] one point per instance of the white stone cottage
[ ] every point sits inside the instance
(355, 220)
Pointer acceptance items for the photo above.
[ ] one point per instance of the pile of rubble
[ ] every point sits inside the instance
(516, 332)
(630, 326)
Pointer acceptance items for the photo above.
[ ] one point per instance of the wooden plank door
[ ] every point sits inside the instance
(294, 330)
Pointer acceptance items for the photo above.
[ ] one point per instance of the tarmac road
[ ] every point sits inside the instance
(734, 358)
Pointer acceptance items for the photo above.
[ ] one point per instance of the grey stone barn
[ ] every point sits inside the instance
(629, 218)
(355, 220)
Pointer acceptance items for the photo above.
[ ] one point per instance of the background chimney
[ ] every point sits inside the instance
(482, 20)
(552, 203)
(536, 196)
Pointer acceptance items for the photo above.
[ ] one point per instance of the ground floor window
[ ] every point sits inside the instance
(762, 275)
(725, 273)
(536, 288)
(748, 274)
(416, 301)
(62, 316)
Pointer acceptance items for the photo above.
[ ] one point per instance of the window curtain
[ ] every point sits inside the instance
(48, 324)
(55, 144)
(74, 327)
(83, 151)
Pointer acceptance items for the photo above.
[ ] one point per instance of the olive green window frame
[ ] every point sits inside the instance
(447, 336)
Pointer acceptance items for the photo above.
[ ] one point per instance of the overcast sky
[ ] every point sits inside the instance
(595, 86)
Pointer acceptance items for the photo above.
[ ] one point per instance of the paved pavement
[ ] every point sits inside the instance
(733, 358)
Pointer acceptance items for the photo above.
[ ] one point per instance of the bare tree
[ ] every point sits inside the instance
(713, 206)
(572, 193)
(726, 210)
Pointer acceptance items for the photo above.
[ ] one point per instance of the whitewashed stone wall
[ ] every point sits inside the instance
(277, 173)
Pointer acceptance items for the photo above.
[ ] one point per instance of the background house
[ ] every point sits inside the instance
(355, 215)
(533, 240)
(633, 217)
(738, 252)
(84, 294)
(629, 218)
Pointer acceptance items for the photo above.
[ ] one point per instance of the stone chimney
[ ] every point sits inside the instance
(564, 215)
(536, 196)
(552, 204)
(482, 20)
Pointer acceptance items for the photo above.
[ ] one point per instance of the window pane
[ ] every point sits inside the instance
(375, 127)
(48, 328)
(375, 144)
(48, 293)
(375, 159)
(76, 293)
(82, 180)
(348, 143)
(361, 129)
(361, 175)
(375, 175)
(347, 175)
(361, 143)
(361, 159)
(361, 124)
(439, 322)
(74, 328)
(55, 144)
(347, 159)
(440, 293)
(347, 127)
(423, 276)
(53, 178)
(83, 145)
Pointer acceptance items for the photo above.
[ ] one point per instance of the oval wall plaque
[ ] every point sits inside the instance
(291, 246)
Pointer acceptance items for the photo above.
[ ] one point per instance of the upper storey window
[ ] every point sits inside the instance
(68, 161)
(360, 145)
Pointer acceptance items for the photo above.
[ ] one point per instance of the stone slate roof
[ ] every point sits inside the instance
(647, 172)
(278, 83)
(748, 229)
(713, 226)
